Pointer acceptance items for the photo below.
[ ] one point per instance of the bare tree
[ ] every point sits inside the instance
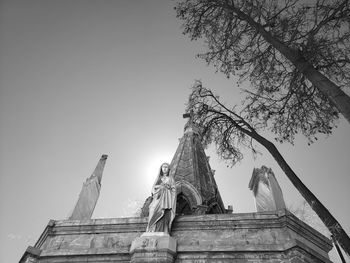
(229, 131)
(294, 53)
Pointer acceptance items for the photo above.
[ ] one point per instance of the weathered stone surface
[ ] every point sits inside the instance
(153, 247)
(89, 193)
(31, 255)
(195, 183)
(250, 237)
(193, 175)
(145, 207)
(267, 192)
(291, 256)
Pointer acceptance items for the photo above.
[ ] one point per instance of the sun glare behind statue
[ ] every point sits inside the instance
(155, 160)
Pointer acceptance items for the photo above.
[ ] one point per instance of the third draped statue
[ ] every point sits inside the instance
(163, 206)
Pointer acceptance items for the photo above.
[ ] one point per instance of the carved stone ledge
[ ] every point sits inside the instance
(31, 255)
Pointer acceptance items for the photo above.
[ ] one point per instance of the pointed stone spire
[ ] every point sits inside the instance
(197, 191)
(190, 126)
(89, 193)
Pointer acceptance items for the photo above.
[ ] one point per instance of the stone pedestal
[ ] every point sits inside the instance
(153, 247)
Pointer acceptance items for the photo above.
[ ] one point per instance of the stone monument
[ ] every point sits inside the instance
(203, 230)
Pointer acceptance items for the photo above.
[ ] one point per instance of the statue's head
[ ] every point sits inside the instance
(164, 169)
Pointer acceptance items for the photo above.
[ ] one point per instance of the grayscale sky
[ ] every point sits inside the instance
(79, 79)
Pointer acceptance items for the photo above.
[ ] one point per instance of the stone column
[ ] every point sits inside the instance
(153, 247)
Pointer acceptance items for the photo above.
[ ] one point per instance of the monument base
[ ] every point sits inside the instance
(153, 247)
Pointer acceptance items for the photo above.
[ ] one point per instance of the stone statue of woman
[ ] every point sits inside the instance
(163, 206)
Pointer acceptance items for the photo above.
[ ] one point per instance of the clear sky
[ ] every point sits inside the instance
(79, 79)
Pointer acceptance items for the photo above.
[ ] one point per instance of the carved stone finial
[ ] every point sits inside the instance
(229, 209)
(267, 192)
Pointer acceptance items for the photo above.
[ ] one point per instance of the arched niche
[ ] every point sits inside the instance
(214, 208)
(188, 197)
(183, 206)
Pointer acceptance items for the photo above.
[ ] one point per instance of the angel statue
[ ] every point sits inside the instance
(163, 206)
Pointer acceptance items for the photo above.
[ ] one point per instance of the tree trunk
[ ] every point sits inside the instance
(327, 218)
(340, 100)
(333, 92)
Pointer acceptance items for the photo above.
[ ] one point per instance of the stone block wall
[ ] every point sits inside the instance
(251, 237)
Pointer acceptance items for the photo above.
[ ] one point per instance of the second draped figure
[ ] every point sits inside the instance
(163, 206)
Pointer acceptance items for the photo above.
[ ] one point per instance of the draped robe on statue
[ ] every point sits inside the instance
(163, 206)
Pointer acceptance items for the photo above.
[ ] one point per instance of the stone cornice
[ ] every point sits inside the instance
(262, 220)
